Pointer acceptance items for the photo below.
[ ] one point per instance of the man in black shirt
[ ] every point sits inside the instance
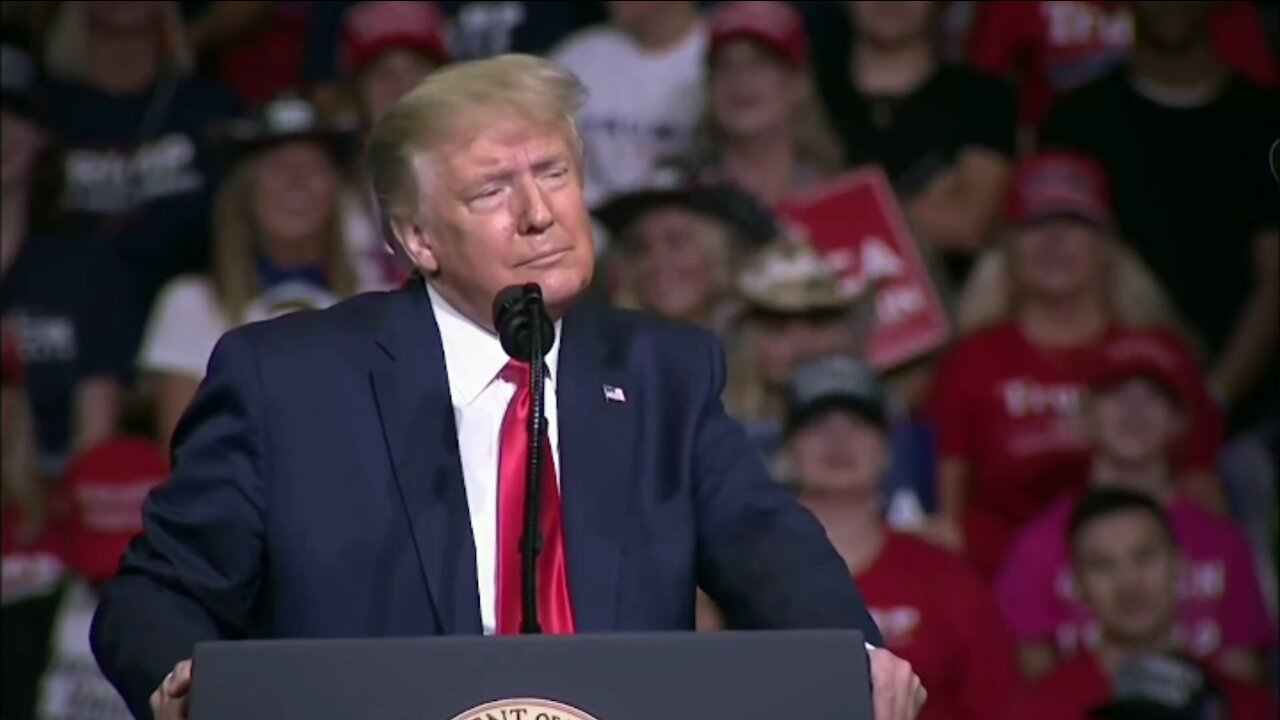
(943, 134)
(1185, 144)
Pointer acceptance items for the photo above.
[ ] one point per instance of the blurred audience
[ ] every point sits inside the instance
(944, 134)
(932, 609)
(1137, 416)
(49, 669)
(388, 48)
(252, 48)
(62, 282)
(31, 553)
(794, 308)
(1005, 400)
(677, 250)
(279, 247)
(132, 120)
(1053, 48)
(1183, 140)
(644, 72)
(1125, 559)
(764, 129)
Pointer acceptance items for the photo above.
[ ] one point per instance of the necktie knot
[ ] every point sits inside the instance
(516, 372)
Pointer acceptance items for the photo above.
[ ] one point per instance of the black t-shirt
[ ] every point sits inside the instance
(62, 300)
(141, 167)
(1191, 188)
(916, 136)
(920, 134)
(26, 625)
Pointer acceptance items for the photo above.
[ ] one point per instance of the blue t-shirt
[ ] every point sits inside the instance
(61, 297)
(142, 170)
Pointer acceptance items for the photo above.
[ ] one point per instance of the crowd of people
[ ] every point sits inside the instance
(1068, 506)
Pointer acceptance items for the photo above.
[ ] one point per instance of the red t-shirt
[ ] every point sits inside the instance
(1077, 686)
(1010, 411)
(1056, 47)
(936, 614)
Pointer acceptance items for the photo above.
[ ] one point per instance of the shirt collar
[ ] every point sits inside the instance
(473, 355)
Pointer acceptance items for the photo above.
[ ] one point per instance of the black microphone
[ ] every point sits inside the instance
(526, 332)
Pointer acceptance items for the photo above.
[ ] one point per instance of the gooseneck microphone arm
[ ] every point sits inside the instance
(526, 333)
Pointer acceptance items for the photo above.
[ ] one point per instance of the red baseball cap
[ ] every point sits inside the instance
(106, 487)
(372, 28)
(1059, 183)
(1147, 354)
(774, 24)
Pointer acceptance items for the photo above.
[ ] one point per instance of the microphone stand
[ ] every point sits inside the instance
(531, 543)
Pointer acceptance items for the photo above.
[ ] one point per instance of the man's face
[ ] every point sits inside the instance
(1170, 27)
(503, 207)
(1135, 422)
(785, 340)
(1127, 574)
(892, 24)
(839, 451)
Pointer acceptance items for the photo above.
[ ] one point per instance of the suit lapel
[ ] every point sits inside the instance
(596, 464)
(412, 391)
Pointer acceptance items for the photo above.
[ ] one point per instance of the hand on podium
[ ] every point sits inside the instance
(172, 700)
(897, 693)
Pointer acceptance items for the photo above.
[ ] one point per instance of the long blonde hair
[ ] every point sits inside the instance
(814, 142)
(1133, 296)
(235, 239)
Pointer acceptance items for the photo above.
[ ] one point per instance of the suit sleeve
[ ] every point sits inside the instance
(763, 558)
(194, 572)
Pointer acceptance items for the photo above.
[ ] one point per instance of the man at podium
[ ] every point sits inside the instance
(360, 471)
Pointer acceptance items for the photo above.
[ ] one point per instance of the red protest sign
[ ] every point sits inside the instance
(855, 221)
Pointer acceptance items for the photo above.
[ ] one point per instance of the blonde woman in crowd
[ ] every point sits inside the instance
(764, 129)
(1038, 313)
(278, 247)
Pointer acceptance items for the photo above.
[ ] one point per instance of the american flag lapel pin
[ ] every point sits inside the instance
(612, 393)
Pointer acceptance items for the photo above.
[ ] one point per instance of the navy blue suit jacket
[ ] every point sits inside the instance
(317, 491)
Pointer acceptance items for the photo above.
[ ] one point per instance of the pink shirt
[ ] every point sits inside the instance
(1220, 602)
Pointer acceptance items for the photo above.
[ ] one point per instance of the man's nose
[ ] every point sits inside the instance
(535, 215)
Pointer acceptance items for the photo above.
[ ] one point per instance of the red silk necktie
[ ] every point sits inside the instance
(555, 613)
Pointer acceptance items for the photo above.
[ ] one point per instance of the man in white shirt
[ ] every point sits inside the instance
(357, 471)
(644, 72)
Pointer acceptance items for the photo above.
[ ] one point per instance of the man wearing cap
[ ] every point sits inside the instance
(1125, 559)
(676, 247)
(931, 608)
(1136, 417)
(350, 471)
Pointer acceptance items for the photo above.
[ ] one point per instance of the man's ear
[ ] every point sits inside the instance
(417, 242)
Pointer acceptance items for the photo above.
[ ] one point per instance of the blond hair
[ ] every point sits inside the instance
(454, 101)
(812, 139)
(1132, 295)
(65, 47)
(235, 236)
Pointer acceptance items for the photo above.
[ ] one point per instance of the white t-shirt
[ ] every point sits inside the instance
(640, 107)
(188, 321)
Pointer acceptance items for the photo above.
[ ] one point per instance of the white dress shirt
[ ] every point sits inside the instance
(473, 359)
